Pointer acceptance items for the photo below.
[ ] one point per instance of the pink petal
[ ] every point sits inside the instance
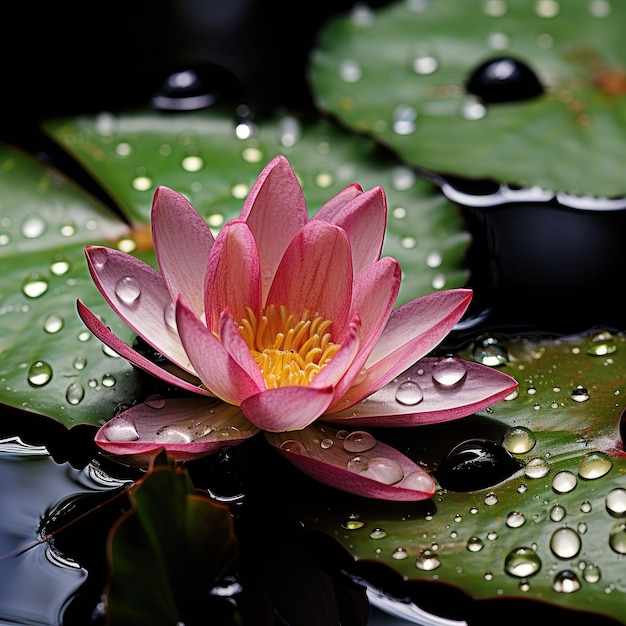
(330, 209)
(412, 331)
(233, 274)
(104, 334)
(364, 220)
(318, 257)
(182, 242)
(218, 370)
(415, 398)
(379, 464)
(187, 428)
(137, 293)
(275, 211)
(287, 408)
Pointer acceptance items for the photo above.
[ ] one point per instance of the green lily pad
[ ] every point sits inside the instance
(555, 531)
(400, 74)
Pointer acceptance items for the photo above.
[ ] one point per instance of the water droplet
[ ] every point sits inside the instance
(424, 63)
(566, 582)
(359, 441)
(79, 363)
(74, 393)
(403, 119)
(473, 109)
(289, 131)
(601, 344)
(580, 394)
(594, 465)
(449, 371)
(378, 533)
(536, 468)
(35, 285)
(565, 543)
(417, 481)
(564, 481)
(557, 513)
(155, 401)
(522, 562)
(39, 373)
(169, 315)
(141, 183)
(585, 506)
(228, 433)
(475, 544)
(427, 560)
(476, 464)
(59, 267)
(108, 380)
(291, 445)
(33, 226)
(192, 163)
(53, 323)
(409, 393)
(504, 80)
(519, 440)
(99, 257)
(547, 8)
(491, 498)
(121, 429)
(616, 501)
(515, 519)
(399, 554)
(128, 289)
(325, 444)
(353, 522)
(350, 71)
(173, 434)
(591, 573)
(383, 470)
(489, 351)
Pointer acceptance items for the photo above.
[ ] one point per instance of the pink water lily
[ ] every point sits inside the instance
(286, 324)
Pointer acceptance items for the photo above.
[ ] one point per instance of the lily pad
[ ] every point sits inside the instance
(551, 533)
(406, 74)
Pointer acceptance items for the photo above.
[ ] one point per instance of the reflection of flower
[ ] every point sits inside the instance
(281, 321)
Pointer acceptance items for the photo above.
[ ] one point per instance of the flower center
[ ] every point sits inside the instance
(289, 350)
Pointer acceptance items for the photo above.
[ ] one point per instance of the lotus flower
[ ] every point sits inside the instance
(286, 324)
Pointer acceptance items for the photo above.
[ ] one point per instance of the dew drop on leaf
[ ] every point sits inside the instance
(74, 393)
(536, 468)
(427, 560)
(566, 581)
(594, 465)
(557, 513)
(565, 543)
(616, 501)
(519, 440)
(564, 481)
(39, 373)
(522, 562)
(35, 286)
(515, 519)
(53, 323)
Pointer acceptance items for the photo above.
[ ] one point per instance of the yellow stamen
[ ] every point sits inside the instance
(289, 351)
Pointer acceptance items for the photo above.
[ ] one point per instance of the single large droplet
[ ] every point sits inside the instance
(53, 323)
(564, 481)
(475, 544)
(383, 470)
(194, 88)
(519, 440)
(504, 80)
(476, 464)
(427, 560)
(536, 468)
(601, 344)
(616, 501)
(121, 429)
(359, 441)
(99, 257)
(515, 519)
(594, 465)
(449, 371)
(128, 289)
(39, 374)
(522, 562)
(74, 393)
(557, 513)
(33, 226)
(580, 394)
(617, 538)
(293, 446)
(35, 286)
(489, 351)
(173, 434)
(409, 393)
(566, 582)
(565, 543)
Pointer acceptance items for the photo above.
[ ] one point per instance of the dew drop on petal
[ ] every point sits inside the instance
(291, 445)
(449, 371)
(616, 501)
(155, 401)
(228, 433)
(169, 315)
(173, 434)
(128, 289)
(99, 257)
(565, 543)
(327, 443)
(359, 441)
(121, 429)
(409, 393)
(357, 464)
(594, 465)
(522, 562)
(418, 481)
(383, 470)
(566, 582)
(39, 373)
(74, 393)
(564, 481)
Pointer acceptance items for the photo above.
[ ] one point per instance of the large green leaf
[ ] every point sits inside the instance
(566, 416)
(45, 223)
(400, 73)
